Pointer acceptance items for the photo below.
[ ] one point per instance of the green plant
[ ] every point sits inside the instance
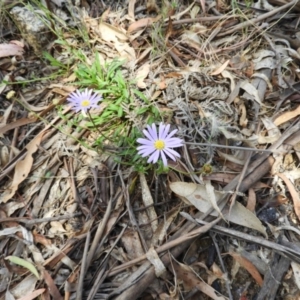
(124, 109)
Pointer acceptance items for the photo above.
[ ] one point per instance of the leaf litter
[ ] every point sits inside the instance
(89, 227)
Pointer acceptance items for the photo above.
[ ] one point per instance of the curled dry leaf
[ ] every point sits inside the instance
(273, 132)
(155, 260)
(131, 5)
(251, 90)
(110, 34)
(141, 74)
(246, 264)
(210, 191)
(221, 68)
(196, 194)
(294, 193)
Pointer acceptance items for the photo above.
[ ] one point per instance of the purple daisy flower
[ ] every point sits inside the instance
(84, 100)
(159, 143)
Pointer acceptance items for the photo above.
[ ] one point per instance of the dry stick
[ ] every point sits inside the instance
(171, 52)
(14, 142)
(259, 18)
(99, 233)
(27, 221)
(101, 275)
(233, 147)
(131, 214)
(222, 266)
(204, 19)
(242, 175)
(70, 167)
(83, 267)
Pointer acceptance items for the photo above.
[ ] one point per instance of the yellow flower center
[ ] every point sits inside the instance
(159, 145)
(85, 103)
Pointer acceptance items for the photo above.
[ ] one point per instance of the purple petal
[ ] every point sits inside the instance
(171, 153)
(166, 130)
(147, 134)
(164, 159)
(171, 133)
(145, 147)
(146, 152)
(153, 132)
(154, 157)
(145, 142)
(173, 142)
(161, 131)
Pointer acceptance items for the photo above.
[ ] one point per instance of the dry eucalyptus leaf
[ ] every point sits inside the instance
(296, 271)
(293, 192)
(221, 68)
(210, 190)
(142, 74)
(22, 169)
(197, 195)
(142, 23)
(33, 295)
(251, 90)
(131, 12)
(285, 117)
(273, 132)
(25, 286)
(148, 202)
(246, 264)
(10, 50)
(9, 296)
(155, 260)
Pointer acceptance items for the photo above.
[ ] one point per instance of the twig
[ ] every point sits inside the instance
(99, 233)
(222, 266)
(27, 221)
(101, 276)
(131, 214)
(233, 147)
(83, 267)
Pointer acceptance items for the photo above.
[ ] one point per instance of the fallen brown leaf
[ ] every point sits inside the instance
(142, 23)
(22, 168)
(246, 264)
(10, 50)
(190, 281)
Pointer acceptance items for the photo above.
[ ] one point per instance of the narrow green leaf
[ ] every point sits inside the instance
(22, 262)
